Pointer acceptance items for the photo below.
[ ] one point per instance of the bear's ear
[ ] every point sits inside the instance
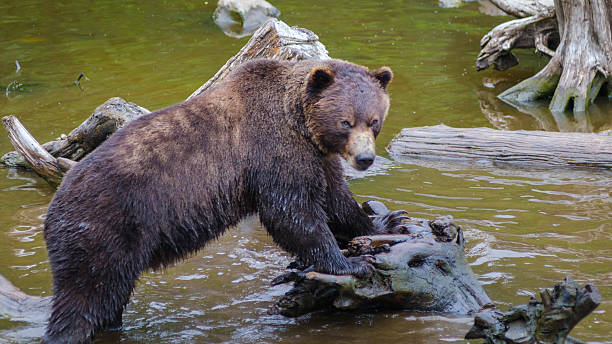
(383, 75)
(320, 78)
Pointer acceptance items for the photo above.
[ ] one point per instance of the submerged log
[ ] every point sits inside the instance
(20, 307)
(548, 321)
(532, 148)
(422, 268)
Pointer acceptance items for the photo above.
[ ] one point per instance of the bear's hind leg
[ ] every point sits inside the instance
(85, 303)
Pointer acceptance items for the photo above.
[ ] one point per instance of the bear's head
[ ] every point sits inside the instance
(345, 106)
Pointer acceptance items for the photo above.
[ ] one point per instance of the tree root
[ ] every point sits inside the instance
(580, 67)
(539, 86)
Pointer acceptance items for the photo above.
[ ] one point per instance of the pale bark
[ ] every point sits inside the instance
(105, 120)
(530, 148)
(581, 63)
(273, 40)
(43, 163)
(524, 8)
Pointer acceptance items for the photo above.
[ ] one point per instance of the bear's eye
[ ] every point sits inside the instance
(373, 123)
(346, 124)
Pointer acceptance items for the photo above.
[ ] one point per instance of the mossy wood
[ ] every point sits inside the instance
(576, 34)
(523, 147)
(420, 268)
(548, 321)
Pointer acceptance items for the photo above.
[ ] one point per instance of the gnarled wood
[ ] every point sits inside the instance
(273, 40)
(548, 321)
(43, 163)
(580, 44)
(421, 268)
(105, 120)
(533, 148)
(582, 63)
(496, 46)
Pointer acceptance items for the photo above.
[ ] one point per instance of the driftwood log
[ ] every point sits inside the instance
(273, 40)
(576, 34)
(532, 148)
(422, 268)
(547, 321)
(105, 120)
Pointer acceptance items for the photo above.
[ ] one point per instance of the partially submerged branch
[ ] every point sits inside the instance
(43, 163)
(273, 40)
(104, 121)
(548, 321)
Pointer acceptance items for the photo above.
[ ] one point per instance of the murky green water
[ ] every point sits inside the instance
(526, 228)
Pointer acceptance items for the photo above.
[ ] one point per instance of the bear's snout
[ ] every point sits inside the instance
(364, 160)
(361, 151)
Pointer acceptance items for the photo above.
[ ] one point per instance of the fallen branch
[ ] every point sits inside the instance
(43, 163)
(105, 120)
(548, 321)
(273, 40)
(532, 148)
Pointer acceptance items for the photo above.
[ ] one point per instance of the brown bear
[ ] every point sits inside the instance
(266, 140)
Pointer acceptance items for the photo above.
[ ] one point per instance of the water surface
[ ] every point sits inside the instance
(526, 228)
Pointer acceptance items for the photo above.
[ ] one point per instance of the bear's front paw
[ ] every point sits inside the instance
(391, 222)
(361, 266)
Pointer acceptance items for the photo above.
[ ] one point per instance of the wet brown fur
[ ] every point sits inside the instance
(267, 140)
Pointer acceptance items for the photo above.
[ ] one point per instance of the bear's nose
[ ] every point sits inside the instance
(364, 160)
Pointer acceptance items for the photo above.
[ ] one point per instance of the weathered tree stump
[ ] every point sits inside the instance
(548, 321)
(422, 268)
(531, 148)
(580, 45)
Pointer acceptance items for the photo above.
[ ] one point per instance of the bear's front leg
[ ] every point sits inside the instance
(298, 223)
(346, 218)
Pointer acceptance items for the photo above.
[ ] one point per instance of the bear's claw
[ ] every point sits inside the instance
(391, 222)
